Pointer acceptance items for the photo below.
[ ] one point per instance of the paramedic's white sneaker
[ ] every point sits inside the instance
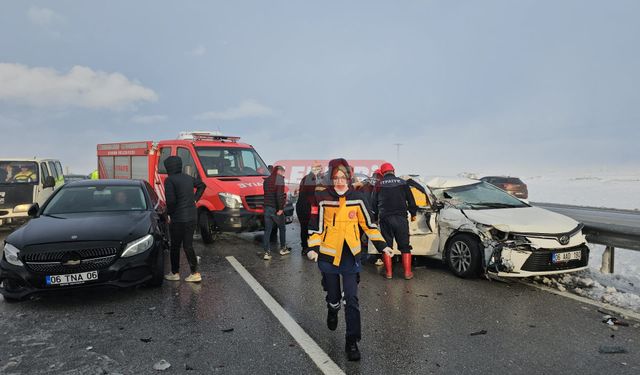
(379, 262)
(193, 278)
(267, 256)
(172, 277)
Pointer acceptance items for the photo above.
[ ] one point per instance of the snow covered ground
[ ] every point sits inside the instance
(622, 288)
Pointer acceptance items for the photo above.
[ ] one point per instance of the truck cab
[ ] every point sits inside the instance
(24, 182)
(233, 172)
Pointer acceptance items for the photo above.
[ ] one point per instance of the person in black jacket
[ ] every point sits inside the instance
(181, 207)
(275, 199)
(391, 200)
(306, 193)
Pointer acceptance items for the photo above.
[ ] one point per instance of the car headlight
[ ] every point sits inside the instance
(11, 254)
(230, 200)
(138, 246)
(21, 208)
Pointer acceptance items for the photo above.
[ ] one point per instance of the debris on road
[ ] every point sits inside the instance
(481, 332)
(161, 365)
(227, 330)
(146, 340)
(607, 349)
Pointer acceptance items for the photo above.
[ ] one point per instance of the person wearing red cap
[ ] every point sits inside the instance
(391, 199)
(334, 242)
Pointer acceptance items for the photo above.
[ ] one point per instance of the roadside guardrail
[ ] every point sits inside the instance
(613, 228)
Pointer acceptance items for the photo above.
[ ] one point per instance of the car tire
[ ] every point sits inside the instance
(157, 274)
(205, 227)
(464, 256)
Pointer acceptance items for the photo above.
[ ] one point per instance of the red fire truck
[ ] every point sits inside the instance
(233, 172)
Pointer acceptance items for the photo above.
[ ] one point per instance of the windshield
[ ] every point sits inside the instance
(479, 196)
(18, 172)
(77, 199)
(231, 161)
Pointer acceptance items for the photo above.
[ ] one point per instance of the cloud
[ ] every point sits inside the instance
(46, 19)
(246, 109)
(148, 119)
(82, 87)
(200, 50)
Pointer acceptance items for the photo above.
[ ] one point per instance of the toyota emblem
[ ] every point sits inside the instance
(564, 240)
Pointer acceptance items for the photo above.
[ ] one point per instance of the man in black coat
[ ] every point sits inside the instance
(391, 200)
(275, 199)
(181, 207)
(306, 193)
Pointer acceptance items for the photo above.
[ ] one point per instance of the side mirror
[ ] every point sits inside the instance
(33, 210)
(49, 182)
(438, 206)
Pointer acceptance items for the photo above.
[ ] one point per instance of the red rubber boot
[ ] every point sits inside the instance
(388, 266)
(406, 264)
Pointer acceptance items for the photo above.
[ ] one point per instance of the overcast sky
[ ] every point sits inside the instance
(502, 86)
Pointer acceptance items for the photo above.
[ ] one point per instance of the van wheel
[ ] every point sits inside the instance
(464, 256)
(205, 227)
(157, 276)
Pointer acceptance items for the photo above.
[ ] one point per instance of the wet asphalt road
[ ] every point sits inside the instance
(220, 326)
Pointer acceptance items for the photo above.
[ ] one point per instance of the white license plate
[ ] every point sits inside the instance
(567, 256)
(72, 278)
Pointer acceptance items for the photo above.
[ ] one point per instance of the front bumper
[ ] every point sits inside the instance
(243, 220)
(539, 262)
(11, 219)
(18, 282)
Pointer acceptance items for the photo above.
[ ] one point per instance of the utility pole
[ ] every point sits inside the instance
(397, 152)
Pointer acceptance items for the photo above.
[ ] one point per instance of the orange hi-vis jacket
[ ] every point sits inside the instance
(336, 220)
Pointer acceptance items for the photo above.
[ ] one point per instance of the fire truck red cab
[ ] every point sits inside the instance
(233, 172)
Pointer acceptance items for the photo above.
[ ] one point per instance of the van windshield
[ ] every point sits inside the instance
(18, 172)
(231, 161)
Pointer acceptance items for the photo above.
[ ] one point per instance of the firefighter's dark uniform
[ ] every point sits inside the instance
(391, 199)
(306, 193)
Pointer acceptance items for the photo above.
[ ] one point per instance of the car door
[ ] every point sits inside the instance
(42, 193)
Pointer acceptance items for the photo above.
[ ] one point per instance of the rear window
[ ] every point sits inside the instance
(77, 199)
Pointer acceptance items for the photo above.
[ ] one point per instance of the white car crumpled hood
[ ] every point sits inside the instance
(523, 220)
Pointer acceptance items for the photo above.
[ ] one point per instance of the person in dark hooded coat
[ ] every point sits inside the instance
(181, 207)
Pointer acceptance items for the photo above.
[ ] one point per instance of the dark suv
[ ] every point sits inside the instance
(512, 185)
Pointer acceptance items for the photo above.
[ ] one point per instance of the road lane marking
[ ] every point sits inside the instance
(313, 350)
(619, 310)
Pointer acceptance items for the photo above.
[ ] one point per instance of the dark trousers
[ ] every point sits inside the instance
(331, 283)
(270, 218)
(304, 230)
(396, 226)
(182, 235)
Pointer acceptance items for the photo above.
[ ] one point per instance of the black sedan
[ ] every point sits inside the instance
(88, 233)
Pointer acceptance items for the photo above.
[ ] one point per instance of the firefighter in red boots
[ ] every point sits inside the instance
(391, 199)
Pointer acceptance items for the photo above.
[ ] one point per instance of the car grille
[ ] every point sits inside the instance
(84, 266)
(540, 260)
(52, 261)
(255, 201)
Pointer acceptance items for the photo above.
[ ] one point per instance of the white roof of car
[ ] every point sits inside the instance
(449, 182)
(28, 159)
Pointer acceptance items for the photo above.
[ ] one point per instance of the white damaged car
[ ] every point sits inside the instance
(475, 227)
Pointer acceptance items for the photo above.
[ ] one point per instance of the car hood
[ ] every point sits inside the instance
(523, 220)
(107, 226)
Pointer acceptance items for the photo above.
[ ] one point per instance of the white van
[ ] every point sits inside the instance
(24, 182)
